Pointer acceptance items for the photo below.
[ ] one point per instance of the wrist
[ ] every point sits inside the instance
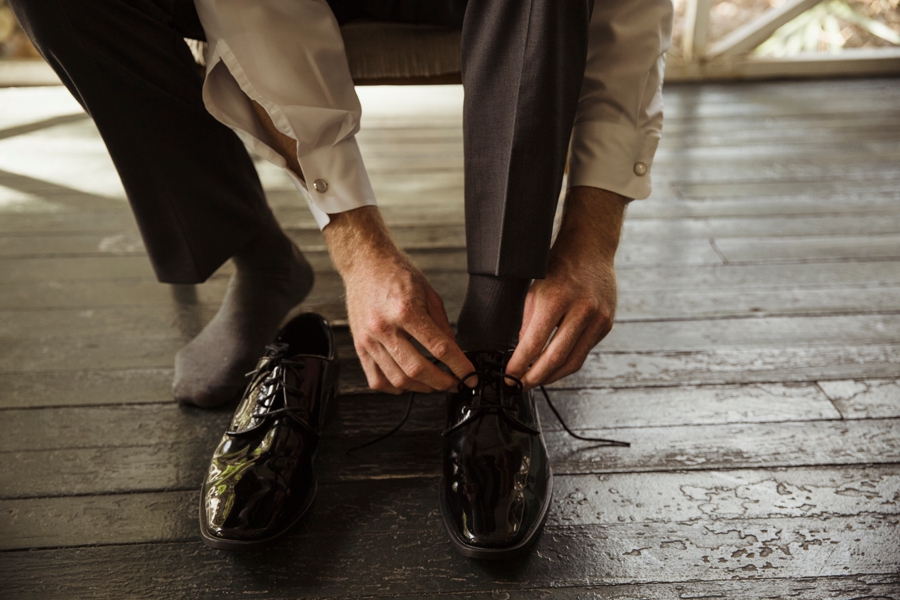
(592, 222)
(359, 242)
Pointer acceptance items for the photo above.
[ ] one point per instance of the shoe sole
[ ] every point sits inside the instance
(482, 553)
(242, 545)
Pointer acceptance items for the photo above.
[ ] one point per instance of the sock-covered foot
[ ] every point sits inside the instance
(491, 314)
(271, 278)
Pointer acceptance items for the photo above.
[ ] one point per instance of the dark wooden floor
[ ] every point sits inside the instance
(755, 367)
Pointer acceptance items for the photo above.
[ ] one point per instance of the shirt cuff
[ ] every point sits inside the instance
(611, 157)
(336, 180)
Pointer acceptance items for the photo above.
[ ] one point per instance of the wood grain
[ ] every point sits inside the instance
(864, 398)
(753, 367)
(181, 465)
(379, 506)
(420, 562)
(367, 415)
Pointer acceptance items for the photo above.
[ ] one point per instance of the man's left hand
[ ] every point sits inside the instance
(578, 296)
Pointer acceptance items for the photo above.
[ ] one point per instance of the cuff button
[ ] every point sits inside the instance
(640, 169)
(320, 185)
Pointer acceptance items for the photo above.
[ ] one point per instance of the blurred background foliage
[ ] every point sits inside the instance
(13, 42)
(829, 27)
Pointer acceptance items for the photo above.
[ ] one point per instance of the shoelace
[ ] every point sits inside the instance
(275, 383)
(494, 405)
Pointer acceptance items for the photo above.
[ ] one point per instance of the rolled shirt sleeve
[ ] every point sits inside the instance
(288, 56)
(619, 117)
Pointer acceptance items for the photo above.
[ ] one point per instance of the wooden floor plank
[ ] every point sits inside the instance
(784, 364)
(763, 105)
(693, 166)
(592, 555)
(396, 211)
(864, 398)
(109, 266)
(844, 203)
(691, 251)
(645, 230)
(820, 276)
(28, 219)
(807, 588)
(784, 189)
(650, 407)
(841, 229)
(180, 466)
(60, 195)
(96, 386)
(140, 338)
(766, 345)
(735, 446)
(409, 505)
(164, 422)
(762, 333)
(111, 427)
(701, 304)
(651, 366)
(753, 367)
(87, 386)
(810, 249)
(327, 299)
(797, 129)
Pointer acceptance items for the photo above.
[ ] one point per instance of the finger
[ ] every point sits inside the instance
(578, 355)
(394, 372)
(558, 350)
(443, 348)
(420, 369)
(528, 311)
(535, 337)
(437, 311)
(375, 378)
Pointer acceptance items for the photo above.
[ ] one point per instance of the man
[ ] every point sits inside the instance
(537, 74)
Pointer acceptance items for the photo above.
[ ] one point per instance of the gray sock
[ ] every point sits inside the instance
(491, 314)
(270, 279)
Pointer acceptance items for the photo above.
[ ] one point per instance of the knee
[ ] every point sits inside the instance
(40, 21)
(57, 27)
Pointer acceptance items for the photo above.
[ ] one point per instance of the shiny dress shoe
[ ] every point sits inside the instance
(261, 479)
(497, 483)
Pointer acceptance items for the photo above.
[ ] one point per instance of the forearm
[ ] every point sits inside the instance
(357, 237)
(577, 299)
(591, 224)
(390, 303)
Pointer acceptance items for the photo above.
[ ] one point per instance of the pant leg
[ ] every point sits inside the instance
(523, 63)
(191, 184)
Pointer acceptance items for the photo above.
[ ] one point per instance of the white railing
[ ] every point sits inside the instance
(731, 57)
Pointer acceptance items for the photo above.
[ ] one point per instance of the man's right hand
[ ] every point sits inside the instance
(390, 303)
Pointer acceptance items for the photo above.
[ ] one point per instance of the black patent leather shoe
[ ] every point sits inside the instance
(497, 483)
(261, 479)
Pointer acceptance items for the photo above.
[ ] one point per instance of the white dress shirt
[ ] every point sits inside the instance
(288, 56)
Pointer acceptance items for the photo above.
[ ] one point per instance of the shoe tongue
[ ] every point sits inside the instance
(261, 398)
(491, 364)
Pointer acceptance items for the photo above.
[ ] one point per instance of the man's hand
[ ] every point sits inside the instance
(578, 297)
(390, 303)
